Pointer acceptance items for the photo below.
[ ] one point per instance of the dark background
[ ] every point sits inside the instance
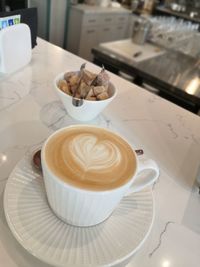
(9, 5)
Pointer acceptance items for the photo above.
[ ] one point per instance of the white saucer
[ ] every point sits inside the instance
(45, 236)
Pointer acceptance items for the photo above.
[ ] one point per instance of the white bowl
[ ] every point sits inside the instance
(89, 109)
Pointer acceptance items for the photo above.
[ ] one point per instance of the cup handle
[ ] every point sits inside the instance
(141, 181)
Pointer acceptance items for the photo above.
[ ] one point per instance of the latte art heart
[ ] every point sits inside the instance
(91, 158)
(92, 154)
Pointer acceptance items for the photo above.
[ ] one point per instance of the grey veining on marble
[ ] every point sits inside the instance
(160, 239)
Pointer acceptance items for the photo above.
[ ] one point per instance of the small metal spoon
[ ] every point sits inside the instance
(139, 152)
(77, 102)
(37, 158)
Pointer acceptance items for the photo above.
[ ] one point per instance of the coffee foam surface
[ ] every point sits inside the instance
(90, 158)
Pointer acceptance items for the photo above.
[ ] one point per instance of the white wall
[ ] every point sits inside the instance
(57, 19)
(57, 22)
(42, 16)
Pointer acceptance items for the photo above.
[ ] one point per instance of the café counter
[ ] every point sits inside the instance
(30, 111)
(174, 74)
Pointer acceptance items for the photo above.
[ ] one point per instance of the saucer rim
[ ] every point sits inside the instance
(44, 259)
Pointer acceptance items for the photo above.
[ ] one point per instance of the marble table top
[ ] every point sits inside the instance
(30, 111)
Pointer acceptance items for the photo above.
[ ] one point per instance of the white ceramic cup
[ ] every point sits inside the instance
(82, 207)
(89, 109)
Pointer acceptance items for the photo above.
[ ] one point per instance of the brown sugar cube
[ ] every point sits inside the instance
(78, 95)
(84, 90)
(98, 90)
(73, 80)
(106, 86)
(103, 96)
(73, 89)
(80, 90)
(93, 98)
(62, 83)
(64, 86)
(82, 86)
(103, 78)
(66, 90)
(90, 92)
(88, 76)
(68, 75)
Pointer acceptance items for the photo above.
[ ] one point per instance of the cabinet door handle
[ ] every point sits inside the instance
(121, 18)
(106, 30)
(91, 20)
(119, 28)
(90, 31)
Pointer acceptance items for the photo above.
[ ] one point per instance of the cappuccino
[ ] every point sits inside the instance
(90, 158)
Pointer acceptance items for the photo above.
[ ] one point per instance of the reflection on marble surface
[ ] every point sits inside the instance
(177, 248)
(30, 111)
(9, 100)
(54, 116)
(175, 69)
(193, 207)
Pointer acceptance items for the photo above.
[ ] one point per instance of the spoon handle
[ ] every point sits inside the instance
(139, 152)
(80, 79)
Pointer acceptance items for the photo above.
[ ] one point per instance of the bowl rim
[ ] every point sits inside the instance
(58, 76)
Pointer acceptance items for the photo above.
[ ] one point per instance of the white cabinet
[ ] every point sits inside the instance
(57, 22)
(89, 38)
(106, 33)
(91, 25)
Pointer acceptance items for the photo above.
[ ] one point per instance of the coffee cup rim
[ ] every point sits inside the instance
(89, 191)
